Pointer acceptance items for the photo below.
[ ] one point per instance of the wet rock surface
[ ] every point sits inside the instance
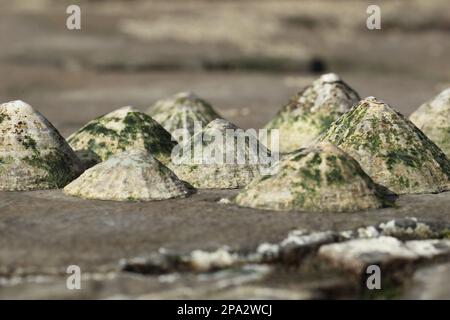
(139, 247)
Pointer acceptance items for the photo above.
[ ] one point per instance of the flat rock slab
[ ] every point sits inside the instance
(42, 232)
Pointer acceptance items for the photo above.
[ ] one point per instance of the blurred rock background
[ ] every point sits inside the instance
(246, 57)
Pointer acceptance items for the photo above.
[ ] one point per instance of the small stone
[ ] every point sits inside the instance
(433, 118)
(355, 255)
(123, 129)
(407, 228)
(311, 111)
(202, 261)
(33, 155)
(224, 201)
(318, 178)
(429, 248)
(132, 175)
(390, 148)
(217, 165)
(182, 111)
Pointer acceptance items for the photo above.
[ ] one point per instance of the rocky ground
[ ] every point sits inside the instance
(246, 58)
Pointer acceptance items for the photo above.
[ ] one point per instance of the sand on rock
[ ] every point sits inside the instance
(433, 118)
(133, 175)
(390, 148)
(221, 156)
(318, 178)
(33, 155)
(311, 111)
(182, 111)
(123, 129)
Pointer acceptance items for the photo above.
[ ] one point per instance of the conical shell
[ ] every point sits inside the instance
(132, 175)
(33, 155)
(433, 118)
(311, 111)
(182, 111)
(123, 129)
(390, 148)
(317, 178)
(205, 172)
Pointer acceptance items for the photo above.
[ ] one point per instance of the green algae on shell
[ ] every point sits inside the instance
(182, 111)
(123, 129)
(390, 148)
(222, 168)
(311, 111)
(133, 175)
(433, 118)
(319, 178)
(33, 155)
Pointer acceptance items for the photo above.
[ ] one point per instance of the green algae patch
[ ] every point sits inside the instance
(34, 155)
(433, 118)
(123, 129)
(311, 111)
(390, 148)
(181, 112)
(319, 178)
(132, 175)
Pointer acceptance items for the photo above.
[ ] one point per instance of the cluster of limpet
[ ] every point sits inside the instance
(311, 111)
(133, 175)
(123, 129)
(390, 148)
(433, 118)
(320, 177)
(218, 169)
(33, 155)
(182, 111)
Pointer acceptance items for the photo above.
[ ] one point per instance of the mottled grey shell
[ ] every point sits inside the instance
(390, 148)
(433, 118)
(123, 129)
(311, 111)
(132, 175)
(319, 178)
(205, 175)
(33, 155)
(182, 111)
